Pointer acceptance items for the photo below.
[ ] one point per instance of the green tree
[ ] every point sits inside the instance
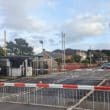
(2, 52)
(59, 60)
(69, 61)
(11, 48)
(76, 58)
(106, 52)
(20, 47)
(86, 61)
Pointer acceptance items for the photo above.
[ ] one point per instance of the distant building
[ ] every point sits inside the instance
(83, 54)
(15, 66)
(44, 63)
(70, 52)
(68, 57)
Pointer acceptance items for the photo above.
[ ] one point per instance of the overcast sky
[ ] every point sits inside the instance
(85, 22)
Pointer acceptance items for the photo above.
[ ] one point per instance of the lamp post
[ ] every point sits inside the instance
(41, 42)
(90, 56)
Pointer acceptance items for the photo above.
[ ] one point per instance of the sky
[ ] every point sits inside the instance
(86, 23)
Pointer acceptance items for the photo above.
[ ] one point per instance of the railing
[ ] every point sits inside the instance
(72, 97)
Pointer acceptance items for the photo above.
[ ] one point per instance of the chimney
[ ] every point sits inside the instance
(43, 50)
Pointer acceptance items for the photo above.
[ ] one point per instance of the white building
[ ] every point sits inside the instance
(15, 66)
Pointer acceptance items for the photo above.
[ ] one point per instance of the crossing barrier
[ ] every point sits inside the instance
(58, 95)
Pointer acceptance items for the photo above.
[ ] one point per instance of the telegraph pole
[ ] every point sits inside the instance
(63, 50)
(90, 55)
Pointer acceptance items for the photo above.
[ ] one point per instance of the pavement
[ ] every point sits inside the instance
(9, 106)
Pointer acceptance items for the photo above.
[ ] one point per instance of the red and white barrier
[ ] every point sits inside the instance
(64, 86)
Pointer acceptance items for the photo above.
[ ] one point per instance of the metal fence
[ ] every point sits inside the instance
(72, 97)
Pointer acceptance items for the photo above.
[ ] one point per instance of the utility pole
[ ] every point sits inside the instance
(90, 55)
(5, 43)
(63, 50)
(101, 56)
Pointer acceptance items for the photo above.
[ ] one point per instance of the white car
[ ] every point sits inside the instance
(106, 66)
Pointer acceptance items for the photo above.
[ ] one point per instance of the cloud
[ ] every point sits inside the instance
(21, 18)
(84, 26)
(17, 14)
(102, 45)
(33, 39)
(53, 42)
(37, 50)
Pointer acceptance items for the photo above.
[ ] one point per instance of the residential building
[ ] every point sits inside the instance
(44, 63)
(15, 66)
(83, 54)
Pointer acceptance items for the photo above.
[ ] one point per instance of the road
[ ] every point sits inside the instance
(60, 97)
(8, 106)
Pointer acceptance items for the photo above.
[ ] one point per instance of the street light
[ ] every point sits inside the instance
(90, 56)
(41, 42)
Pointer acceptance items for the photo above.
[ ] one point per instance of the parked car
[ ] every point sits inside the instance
(106, 66)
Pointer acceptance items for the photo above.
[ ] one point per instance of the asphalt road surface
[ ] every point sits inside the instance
(58, 96)
(8, 106)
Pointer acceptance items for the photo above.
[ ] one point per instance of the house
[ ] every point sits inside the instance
(15, 66)
(44, 63)
(68, 57)
(81, 53)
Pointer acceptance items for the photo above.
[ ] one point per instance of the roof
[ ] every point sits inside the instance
(16, 61)
(9, 57)
(50, 54)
